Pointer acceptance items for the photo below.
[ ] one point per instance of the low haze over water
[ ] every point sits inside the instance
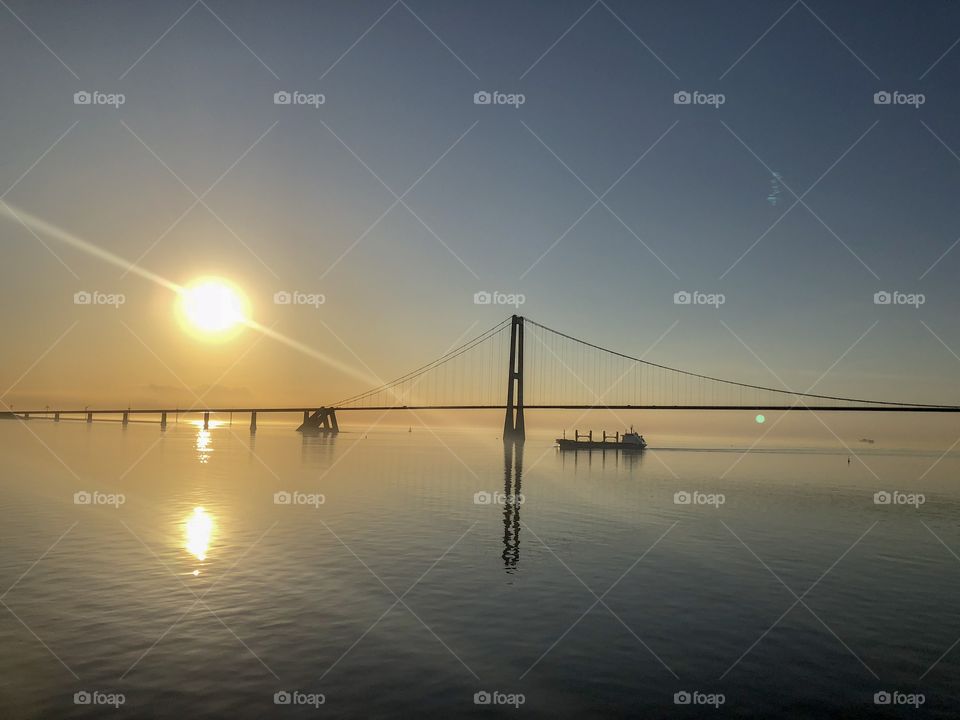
(398, 574)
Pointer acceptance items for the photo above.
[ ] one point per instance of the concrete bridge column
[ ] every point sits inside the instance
(206, 421)
(163, 421)
(126, 418)
(253, 421)
(513, 427)
(56, 417)
(322, 420)
(89, 417)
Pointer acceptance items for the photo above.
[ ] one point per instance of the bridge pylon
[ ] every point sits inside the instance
(323, 420)
(513, 428)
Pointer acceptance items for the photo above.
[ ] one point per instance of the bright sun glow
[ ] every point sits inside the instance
(212, 307)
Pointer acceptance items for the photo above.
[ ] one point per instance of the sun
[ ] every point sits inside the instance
(213, 308)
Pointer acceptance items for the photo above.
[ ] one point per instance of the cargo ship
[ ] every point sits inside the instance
(628, 441)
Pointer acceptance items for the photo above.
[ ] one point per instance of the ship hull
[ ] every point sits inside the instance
(598, 445)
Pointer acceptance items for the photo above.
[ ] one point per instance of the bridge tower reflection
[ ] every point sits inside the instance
(512, 473)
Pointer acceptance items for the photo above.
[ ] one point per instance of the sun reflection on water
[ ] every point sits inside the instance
(198, 530)
(203, 445)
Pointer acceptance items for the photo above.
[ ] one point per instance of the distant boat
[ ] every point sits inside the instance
(628, 442)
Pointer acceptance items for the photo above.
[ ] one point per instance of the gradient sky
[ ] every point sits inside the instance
(399, 81)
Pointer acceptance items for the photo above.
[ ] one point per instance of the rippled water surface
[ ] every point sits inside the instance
(405, 592)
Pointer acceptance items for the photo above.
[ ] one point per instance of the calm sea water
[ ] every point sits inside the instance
(783, 588)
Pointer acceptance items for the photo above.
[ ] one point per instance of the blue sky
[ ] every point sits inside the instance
(296, 189)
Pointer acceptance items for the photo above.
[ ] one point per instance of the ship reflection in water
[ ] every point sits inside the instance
(604, 459)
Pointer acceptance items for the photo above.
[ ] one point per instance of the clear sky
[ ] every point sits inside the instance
(293, 196)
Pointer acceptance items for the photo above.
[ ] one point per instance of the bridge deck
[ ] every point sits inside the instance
(385, 408)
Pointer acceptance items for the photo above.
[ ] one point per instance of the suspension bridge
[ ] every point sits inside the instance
(545, 370)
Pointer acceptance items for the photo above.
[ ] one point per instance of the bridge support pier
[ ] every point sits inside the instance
(206, 421)
(253, 421)
(513, 427)
(89, 417)
(126, 418)
(56, 417)
(323, 420)
(163, 421)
